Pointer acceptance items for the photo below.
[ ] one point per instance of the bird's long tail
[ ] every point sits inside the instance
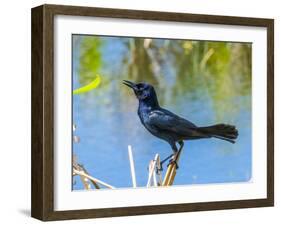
(220, 131)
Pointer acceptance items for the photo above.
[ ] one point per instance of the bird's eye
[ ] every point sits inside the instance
(140, 87)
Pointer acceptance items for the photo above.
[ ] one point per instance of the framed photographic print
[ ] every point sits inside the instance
(141, 112)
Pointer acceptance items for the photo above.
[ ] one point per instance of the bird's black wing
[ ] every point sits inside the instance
(165, 120)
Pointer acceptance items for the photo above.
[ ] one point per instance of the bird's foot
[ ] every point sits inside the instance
(173, 161)
(159, 169)
(164, 160)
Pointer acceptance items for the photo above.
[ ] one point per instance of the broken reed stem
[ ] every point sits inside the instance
(132, 166)
(151, 168)
(158, 171)
(154, 173)
(80, 168)
(95, 184)
(171, 172)
(86, 172)
(92, 179)
(85, 182)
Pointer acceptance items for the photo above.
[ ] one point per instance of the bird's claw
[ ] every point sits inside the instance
(159, 169)
(173, 161)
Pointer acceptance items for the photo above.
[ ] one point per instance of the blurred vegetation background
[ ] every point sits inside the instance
(174, 67)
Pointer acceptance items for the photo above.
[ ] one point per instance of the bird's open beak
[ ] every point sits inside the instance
(130, 84)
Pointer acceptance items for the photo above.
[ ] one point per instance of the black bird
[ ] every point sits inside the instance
(169, 126)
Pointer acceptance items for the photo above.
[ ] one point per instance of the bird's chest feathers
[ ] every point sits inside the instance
(144, 113)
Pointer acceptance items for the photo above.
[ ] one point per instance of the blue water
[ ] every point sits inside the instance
(107, 123)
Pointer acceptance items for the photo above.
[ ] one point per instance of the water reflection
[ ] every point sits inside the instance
(206, 82)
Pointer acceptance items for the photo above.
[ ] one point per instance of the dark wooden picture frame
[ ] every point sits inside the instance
(42, 203)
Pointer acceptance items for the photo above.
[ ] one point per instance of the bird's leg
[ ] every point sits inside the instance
(181, 143)
(173, 160)
(164, 160)
(176, 154)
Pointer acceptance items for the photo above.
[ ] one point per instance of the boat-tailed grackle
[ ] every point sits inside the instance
(171, 127)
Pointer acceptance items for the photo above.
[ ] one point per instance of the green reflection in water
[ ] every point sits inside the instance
(220, 70)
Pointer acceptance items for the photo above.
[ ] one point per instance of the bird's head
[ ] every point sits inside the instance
(143, 91)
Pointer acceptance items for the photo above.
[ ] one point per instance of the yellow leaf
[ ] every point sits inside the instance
(94, 84)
